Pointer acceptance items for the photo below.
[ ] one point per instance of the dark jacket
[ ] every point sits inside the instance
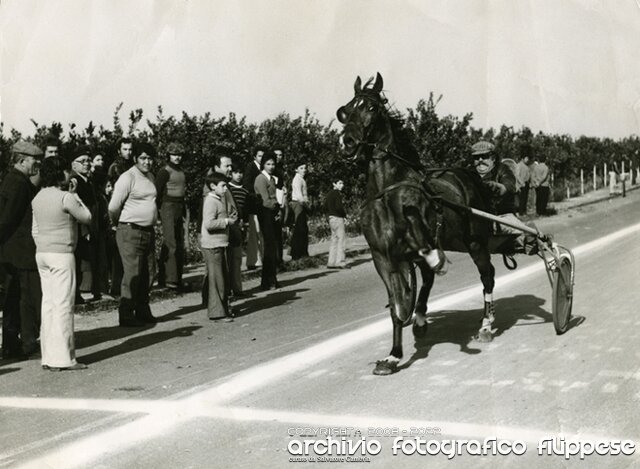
(119, 166)
(16, 243)
(86, 192)
(249, 177)
(248, 181)
(333, 204)
(503, 173)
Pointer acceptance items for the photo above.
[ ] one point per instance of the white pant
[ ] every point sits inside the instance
(254, 243)
(58, 279)
(336, 250)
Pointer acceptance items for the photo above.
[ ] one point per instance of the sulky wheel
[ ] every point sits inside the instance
(562, 294)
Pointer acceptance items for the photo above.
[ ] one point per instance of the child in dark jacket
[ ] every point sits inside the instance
(337, 214)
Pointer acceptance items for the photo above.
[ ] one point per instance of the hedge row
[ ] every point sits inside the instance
(440, 140)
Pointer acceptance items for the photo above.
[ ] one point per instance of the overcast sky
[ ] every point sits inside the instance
(555, 65)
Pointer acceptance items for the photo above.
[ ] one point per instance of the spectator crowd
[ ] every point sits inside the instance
(69, 223)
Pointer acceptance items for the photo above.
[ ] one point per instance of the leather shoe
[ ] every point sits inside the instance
(77, 366)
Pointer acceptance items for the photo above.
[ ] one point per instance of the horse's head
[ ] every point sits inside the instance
(361, 114)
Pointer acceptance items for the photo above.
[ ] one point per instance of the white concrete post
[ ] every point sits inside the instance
(581, 181)
(595, 184)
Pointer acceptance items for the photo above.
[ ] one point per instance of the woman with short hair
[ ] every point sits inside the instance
(56, 211)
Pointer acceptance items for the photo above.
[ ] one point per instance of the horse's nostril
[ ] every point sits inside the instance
(347, 141)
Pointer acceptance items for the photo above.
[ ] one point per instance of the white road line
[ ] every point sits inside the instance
(88, 449)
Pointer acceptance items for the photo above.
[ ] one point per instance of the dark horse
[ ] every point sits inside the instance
(406, 218)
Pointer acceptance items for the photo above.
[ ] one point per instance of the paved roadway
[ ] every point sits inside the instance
(191, 393)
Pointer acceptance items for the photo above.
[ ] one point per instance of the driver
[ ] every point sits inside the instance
(496, 175)
(500, 178)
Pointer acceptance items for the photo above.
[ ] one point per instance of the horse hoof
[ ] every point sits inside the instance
(384, 368)
(420, 331)
(484, 336)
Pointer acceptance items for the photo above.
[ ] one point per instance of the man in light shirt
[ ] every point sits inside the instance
(300, 207)
(254, 236)
(133, 209)
(540, 181)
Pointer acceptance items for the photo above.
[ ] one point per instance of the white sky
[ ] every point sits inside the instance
(554, 65)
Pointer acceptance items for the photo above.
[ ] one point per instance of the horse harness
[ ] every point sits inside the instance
(422, 187)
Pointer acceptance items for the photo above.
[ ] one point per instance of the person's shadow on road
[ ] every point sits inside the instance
(90, 337)
(461, 327)
(136, 343)
(277, 298)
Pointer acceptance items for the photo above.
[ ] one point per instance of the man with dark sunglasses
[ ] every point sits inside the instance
(496, 175)
(86, 247)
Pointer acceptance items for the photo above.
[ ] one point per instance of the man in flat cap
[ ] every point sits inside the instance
(496, 175)
(171, 186)
(86, 248)
(21, 311)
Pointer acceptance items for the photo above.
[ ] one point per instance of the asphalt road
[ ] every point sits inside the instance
(192, 393)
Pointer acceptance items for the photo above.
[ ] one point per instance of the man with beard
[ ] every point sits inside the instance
(123, 159)
(122, 163)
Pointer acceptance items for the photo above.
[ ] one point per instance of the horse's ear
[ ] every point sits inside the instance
(377, 86)
(358, 86)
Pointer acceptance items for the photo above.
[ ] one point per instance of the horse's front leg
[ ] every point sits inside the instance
(394, 277)
(479, 252)
(420, 322)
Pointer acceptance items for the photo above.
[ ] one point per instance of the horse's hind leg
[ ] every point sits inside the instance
(420, 324)
(482, 258)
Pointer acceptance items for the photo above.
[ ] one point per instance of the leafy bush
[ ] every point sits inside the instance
(440, 141)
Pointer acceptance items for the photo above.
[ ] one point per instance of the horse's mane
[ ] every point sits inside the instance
(403, 136)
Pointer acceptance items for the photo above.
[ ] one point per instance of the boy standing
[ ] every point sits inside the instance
(237, 230)
(214, 241)
(337, 214)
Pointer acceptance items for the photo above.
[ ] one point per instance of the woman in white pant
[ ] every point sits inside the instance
(56, 212)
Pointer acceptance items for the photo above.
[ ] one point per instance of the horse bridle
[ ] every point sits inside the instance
(386, 152)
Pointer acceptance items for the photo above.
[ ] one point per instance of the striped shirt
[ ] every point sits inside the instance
(240, 195)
